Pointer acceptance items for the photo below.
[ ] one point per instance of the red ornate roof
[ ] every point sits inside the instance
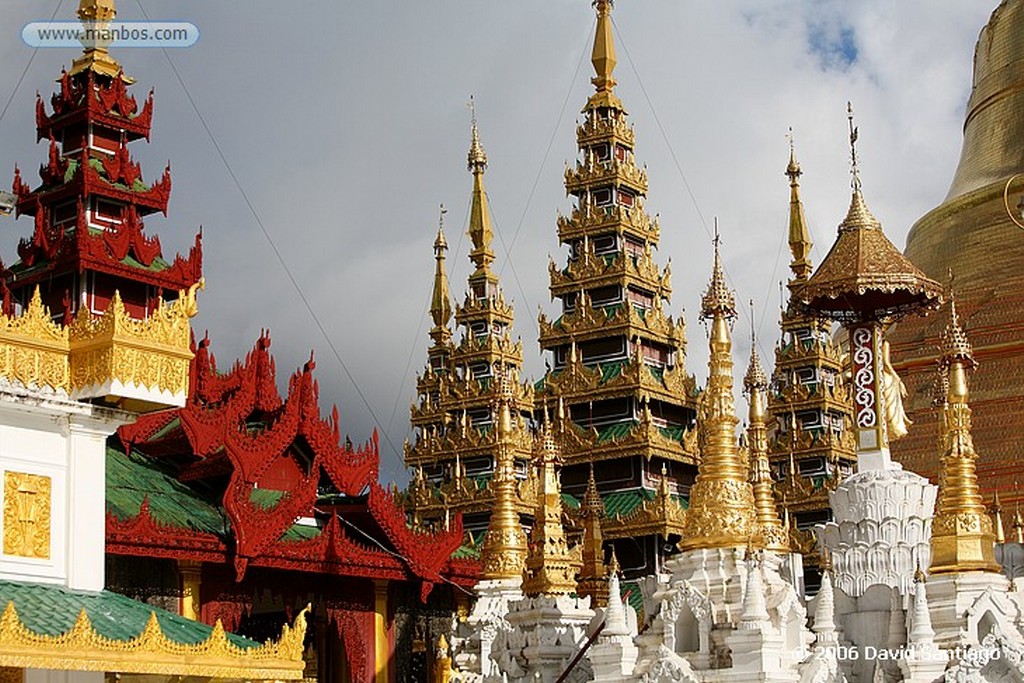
(238, 436)
(93, 120)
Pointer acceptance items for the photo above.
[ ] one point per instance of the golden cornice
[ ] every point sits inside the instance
(34, 349)
(577, 382)
(844, 443)
(96, 357)
(431, 446)
(491, 308)
(596, 129)
(591, 220)
(491, 347)
(151, 652)
(465, 495)
(590, 271)
(603, 174)
(797, 396)
(663, 515)
(584, 323)
(582, 446)
(821, 354)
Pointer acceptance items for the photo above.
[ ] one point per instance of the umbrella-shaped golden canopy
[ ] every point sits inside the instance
(864, 277)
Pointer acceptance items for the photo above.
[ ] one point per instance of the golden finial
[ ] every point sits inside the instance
(1018, 523)
(482, 281)
(919, 576)
(826, 560)
(997, 519)
(95, 57)
(504, 547)
(854, 171)
(440, 300)
(593, 579)
(962, 533)
(477, 158)
(603, 54)
(721, 512)
(718, 299)
(551, 566)
(799, 235)
(614, 569)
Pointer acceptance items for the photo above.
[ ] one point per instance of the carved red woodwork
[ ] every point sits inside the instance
(237, 423)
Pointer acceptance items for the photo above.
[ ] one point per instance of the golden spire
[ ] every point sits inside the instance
(799, 236)
(962, 534)
(997, 519)
(98, 14)
(603, 54)
(593, 579)
(721, 512)
(504, 547)
(440, 299)
(483, 281)
(769, 534)
(1018, 524)
(858, 216)
(551, 566)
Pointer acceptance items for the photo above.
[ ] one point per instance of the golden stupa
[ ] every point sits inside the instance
(972, 234)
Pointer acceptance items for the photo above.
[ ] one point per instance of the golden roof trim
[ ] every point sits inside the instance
(93, 356)
(151, 652)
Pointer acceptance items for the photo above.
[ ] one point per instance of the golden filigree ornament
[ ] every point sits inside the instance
(26, 515)
(152, 651)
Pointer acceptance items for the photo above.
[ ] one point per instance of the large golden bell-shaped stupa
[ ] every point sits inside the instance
(972, 235)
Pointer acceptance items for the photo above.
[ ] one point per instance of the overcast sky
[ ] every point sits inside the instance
(346, 125)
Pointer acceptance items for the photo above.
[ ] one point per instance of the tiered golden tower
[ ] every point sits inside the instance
(455, 450)
(617, 374)
(812, 445)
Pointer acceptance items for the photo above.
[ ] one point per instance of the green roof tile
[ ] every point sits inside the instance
(133, 478)
(624, 502)
(52, 610)
(630, 592)
(615, 431)
(265, 499)
(570, 501)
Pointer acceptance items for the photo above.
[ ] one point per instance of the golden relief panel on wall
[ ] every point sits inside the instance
(26, 530)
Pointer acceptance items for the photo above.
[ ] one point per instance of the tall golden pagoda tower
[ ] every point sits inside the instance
(812, 445)
(454, 453)
(972, 234)
(963, 538)
(721, 512)
(617, 365)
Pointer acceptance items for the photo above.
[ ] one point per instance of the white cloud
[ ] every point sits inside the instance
(345, 124)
